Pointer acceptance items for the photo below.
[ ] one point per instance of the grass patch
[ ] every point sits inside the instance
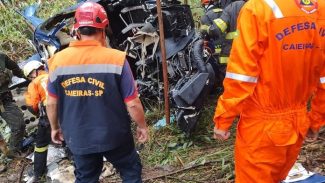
(14, 32)
(169, 148)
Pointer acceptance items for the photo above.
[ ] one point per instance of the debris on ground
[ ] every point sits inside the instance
(54, 154)
(162, 122)
(298, 173)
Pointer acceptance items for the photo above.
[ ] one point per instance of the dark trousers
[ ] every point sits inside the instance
(89, 167)
(15, 120)
(43, 139)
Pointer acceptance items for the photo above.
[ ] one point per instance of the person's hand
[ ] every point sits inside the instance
(204, 29)
(57, 136)
(220, 134)
(311, 135)
(142, 134)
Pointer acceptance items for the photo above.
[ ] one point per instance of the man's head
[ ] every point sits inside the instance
(207, 4)
(31, 69)
(90, 19)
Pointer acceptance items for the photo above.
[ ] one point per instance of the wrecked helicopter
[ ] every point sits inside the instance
(134, 29)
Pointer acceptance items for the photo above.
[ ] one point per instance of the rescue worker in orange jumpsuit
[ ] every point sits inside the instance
(277, 63)
(35, 97)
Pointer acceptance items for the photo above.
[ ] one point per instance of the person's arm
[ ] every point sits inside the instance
(317, 113)
(52, 108)
(11, 65)
(136, 112)
(133, 103)
(32, 98)
(220, 25)
(52, 114)
(242, 71)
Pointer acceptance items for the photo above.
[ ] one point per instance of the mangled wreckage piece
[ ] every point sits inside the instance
(134, 29)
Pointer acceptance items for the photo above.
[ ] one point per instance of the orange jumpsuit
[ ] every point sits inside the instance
(37, 91)
(276, 65)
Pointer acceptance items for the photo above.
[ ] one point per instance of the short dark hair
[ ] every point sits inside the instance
(88, 31)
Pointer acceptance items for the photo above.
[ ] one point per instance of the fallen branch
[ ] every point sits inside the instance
(181, 170)
(184, 180)
(22, 171)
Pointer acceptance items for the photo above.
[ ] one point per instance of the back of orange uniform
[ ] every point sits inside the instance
(37, 91)
(276, 65)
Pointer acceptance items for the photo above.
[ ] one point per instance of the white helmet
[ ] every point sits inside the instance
(30, 66)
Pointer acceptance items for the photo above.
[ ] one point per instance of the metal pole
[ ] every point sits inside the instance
(164, 62)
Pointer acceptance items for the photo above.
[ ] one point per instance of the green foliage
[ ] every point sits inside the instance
(14, 32)
(197, 10)
(13, 35)
(168, 146)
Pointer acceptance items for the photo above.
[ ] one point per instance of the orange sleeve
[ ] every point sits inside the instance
(317, 113)
(32, 97)
(242, 70)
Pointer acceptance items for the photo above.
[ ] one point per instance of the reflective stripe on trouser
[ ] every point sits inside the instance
(43, 138)
(41, 149)
(223, 60)
(268, 146)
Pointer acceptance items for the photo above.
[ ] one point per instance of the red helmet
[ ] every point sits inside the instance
(90, 14)
(206, 2)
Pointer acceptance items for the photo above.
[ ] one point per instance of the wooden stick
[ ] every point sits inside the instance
(181, 170)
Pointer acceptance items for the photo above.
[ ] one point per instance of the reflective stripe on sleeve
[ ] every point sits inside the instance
(231, 35)
(85, 69)
(217, 10)
(221, 24)
(241, 77)
(322, 80)
(275, 8)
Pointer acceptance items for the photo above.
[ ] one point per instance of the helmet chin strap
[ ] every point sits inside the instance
(207, 7)
(104, 39)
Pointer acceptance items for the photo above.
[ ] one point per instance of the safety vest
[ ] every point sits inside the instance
(86, 79)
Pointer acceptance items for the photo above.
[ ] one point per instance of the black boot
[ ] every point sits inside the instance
(40, 164)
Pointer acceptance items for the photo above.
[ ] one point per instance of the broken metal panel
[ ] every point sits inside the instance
(134, 29)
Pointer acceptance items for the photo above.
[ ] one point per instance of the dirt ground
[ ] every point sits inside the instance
(312, 157)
